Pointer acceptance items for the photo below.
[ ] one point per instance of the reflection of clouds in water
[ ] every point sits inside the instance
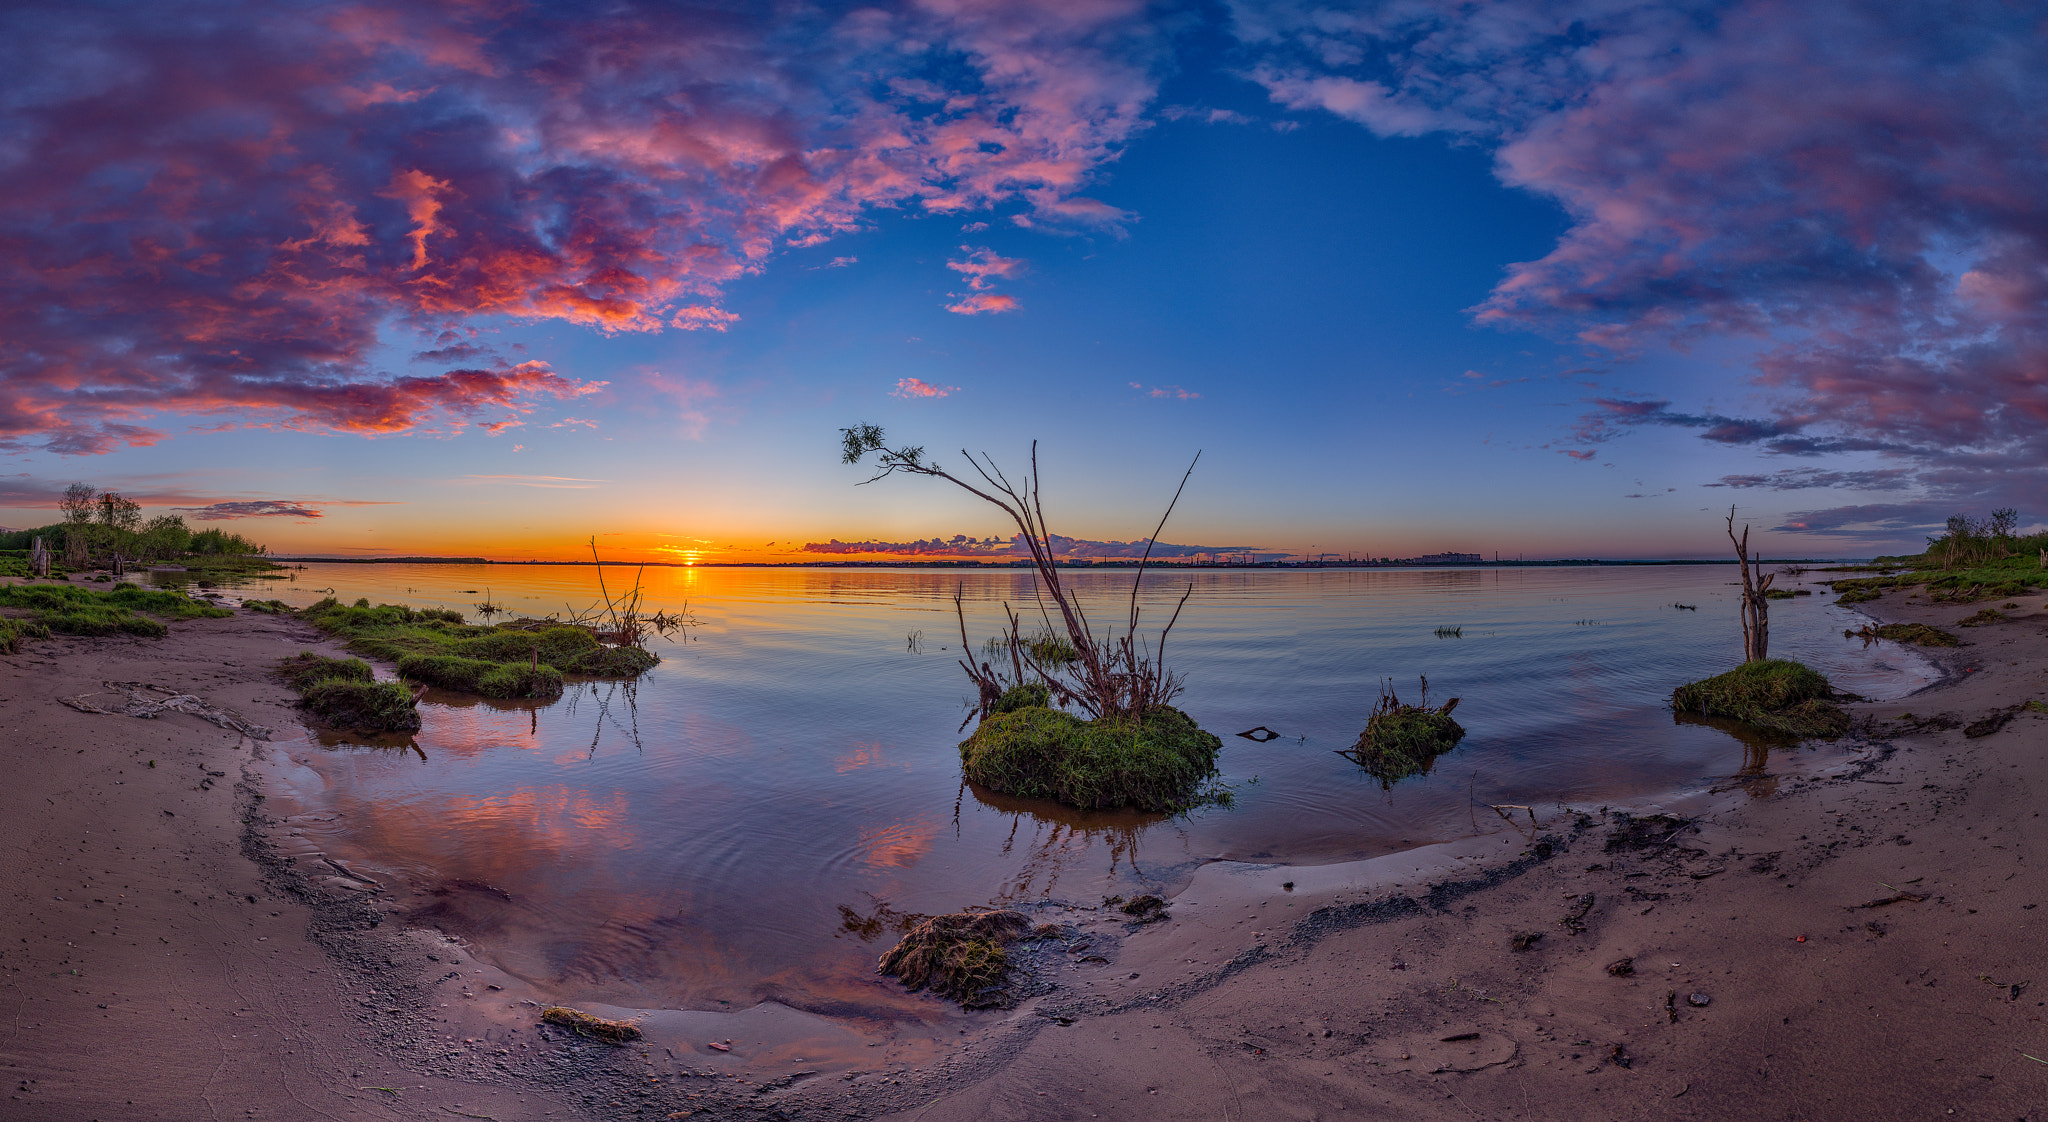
(896, 845)
(864, 755)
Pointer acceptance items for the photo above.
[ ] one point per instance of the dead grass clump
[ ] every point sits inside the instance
(596, 1028)
(1145, 909)
(1401, 740)
(961, 956)
(1918, 634)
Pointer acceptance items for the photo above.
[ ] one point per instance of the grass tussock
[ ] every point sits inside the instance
(482, 678)
(1918, 634)
(1401, 740)
(1985, 618)
(268, 607)
(1771, 693)
(343, 693)
(963, 957)
(305, 668)
(596, 1028)
(14, 632)
(1158, 762)
(518, 659)
(365, 707)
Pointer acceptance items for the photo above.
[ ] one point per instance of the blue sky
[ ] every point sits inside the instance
(1411, 278)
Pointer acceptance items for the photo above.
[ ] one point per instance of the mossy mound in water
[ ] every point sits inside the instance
(1401, 740)
(962, 956)
(1156, 763)
(1769, 693)
(484, 679)
(366, 707)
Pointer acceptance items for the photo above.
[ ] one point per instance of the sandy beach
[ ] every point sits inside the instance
(1849, 931)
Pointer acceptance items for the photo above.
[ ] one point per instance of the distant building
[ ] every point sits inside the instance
(1448, 559)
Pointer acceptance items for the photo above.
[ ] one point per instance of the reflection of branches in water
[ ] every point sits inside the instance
(1054, 845)
(883, 919)
(626, 693)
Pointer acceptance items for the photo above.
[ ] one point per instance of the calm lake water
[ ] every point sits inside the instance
(749, 820)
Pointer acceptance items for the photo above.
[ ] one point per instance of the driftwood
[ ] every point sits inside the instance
(1756, 607)
(137, 702)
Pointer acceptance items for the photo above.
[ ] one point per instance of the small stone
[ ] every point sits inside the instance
(1699, 999)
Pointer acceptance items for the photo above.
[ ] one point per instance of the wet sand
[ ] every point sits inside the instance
(166, 959)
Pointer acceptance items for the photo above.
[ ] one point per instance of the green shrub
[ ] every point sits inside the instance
(1769, 693)
(366, 707)
(1157, 763)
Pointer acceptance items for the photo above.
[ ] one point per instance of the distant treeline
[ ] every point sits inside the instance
(99, 524)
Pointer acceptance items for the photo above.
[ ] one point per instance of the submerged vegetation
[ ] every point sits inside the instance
(1157, 762)
(1401, 740)
(1770, 693)
(963, 956)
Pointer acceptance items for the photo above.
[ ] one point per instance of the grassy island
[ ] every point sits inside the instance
(1157, 762)
(520, 659)
(1401, 740)
(1773, 693)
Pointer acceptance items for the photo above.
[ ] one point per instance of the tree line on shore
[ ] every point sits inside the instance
(99, 525)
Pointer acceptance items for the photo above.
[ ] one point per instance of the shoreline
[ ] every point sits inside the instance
(1380, 957)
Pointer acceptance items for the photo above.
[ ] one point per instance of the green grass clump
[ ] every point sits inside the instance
(305, 668)
(960, 956)
(521, 660)
(1401, 740)
(484, 678)
(1986, 617)
(366, 707)
(343, 693)
(268, 607)
(1770, 693)
(1157, 763)
(13, 632)
(1029, 695)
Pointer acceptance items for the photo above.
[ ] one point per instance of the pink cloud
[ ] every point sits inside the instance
(984, 266)
(976, 303)
(698, 317)
(918, 387)
(220, 217)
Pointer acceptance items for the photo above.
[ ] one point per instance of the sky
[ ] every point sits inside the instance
(1547, 278)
